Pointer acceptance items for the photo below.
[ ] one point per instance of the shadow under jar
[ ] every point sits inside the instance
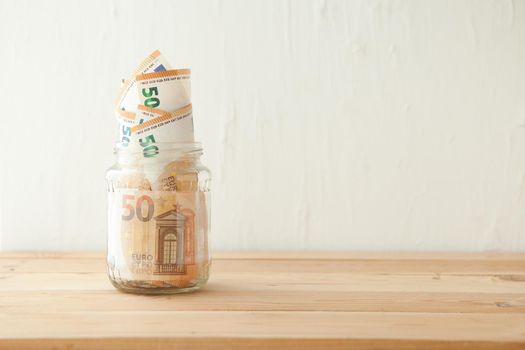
(158, 220)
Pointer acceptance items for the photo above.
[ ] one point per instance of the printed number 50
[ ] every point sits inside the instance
(151, 101)
(138, 207)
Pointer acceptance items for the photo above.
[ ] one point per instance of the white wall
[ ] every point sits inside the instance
(363, 125)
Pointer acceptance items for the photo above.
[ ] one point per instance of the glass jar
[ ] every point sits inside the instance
(158, 220)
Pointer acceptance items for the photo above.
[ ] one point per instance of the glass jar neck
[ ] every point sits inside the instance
(163, 152)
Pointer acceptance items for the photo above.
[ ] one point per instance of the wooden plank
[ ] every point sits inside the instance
(313, 282)
(343, 326)
(237, 343)
(295, 255)
(97, 263)
(213, 299)
(345, 255)
(50, 255)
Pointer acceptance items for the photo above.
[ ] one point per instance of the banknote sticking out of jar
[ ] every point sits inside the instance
(158, 190)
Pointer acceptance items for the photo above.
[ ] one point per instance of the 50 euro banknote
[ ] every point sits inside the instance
(139, 221)
(127, 101)
(167, 90)
(157, 127)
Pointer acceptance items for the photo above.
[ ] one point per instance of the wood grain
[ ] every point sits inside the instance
(261, 300)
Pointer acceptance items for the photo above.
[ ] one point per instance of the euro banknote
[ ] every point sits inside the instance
(157, 128)
(127, 100)
(159, 109)
(168, 90)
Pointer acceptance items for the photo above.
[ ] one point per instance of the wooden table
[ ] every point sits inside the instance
(271, 301)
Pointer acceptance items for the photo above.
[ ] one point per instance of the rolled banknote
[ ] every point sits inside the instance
(125, 123)
(127, 98)
(168, 90)
(157, 126)
(157, 132)
(137, 217)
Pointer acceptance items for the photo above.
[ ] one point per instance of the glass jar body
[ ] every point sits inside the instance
(158, 223)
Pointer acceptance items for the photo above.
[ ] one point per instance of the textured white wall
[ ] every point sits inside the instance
(395, 125)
